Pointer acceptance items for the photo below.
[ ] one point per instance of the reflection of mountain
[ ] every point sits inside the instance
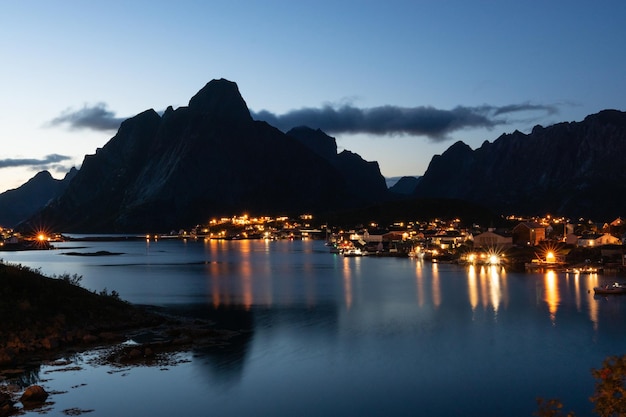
(225, 362)
(299, 325)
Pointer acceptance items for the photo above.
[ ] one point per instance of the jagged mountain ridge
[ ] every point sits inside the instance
(362, 177)
(571, 168)
(20, 203)
(209, 158)
(405, 185)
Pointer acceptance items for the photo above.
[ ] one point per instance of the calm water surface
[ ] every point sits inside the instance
(335, 336)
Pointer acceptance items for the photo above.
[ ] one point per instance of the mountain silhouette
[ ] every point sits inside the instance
(19, 204)
(207, 159)
(575, 169)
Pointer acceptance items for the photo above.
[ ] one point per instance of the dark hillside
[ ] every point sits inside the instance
(210, 158)
(40, 313)
(573, 169)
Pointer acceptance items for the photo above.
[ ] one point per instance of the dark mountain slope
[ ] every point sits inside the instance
(210, 158)
(574, 169)
(362, 177)
(405, 186)
(19, 204)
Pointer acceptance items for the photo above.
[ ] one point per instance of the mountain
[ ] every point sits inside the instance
(574, 169)
(405, 185)
(207, 159)
(363, 178)
(19, 204)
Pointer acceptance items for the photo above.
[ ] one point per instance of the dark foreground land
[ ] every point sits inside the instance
(42, 315)
(43, 319)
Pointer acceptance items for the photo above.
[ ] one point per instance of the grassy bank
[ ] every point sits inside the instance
(39, 314)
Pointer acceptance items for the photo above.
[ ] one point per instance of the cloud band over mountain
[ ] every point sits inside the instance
(47, 160)
(96, 117)
(428, 121)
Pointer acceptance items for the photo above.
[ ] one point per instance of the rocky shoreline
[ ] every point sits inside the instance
(44, 319)
(42, 315)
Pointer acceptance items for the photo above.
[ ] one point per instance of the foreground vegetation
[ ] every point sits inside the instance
(609, 397)
(41, 314)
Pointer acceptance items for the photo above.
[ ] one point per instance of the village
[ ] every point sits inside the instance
(531, 243)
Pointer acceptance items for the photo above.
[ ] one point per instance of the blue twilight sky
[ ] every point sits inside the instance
(396, 81)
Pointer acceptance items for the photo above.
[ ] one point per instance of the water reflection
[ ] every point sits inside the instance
(319, 330)
(436, 285)
(495, 293)
(552, 293)
(226, 362)
(586, 284)
(419, 282)
(246, 274)
(487, 286)
(347, 282)
(472, 286)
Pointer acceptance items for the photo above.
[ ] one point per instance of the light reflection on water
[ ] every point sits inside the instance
(328, 335)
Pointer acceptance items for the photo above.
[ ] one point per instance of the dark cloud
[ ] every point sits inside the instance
(436, 124)
(48, 160)
(433, 123)
(96, 117)
(513, 108)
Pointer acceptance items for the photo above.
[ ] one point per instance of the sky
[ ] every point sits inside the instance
(396, 82)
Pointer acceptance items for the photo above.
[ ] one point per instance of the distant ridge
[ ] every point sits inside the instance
(19, 204)
(405, 185)
(574, 169)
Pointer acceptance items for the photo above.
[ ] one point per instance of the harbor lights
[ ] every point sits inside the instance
(494, 259)
(550, 253)
(494, 256)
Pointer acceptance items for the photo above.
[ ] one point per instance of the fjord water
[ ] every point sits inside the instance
(330, 335)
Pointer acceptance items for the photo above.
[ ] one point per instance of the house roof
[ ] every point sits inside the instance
(530, 225)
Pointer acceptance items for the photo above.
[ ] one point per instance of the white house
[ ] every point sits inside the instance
(597, 239)
(491, 240)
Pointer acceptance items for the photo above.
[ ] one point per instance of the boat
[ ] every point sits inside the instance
(615, 288)
(352, 252)
(584, 270)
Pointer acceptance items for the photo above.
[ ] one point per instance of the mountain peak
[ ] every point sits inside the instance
(569, 168)
(316, 140)
(221, 98)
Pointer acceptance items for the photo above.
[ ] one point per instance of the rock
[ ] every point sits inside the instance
(109, 336)
(7, 356)
(6, 405)
(89, 338)
(50, 343)
(34, 394)
(135, 354)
